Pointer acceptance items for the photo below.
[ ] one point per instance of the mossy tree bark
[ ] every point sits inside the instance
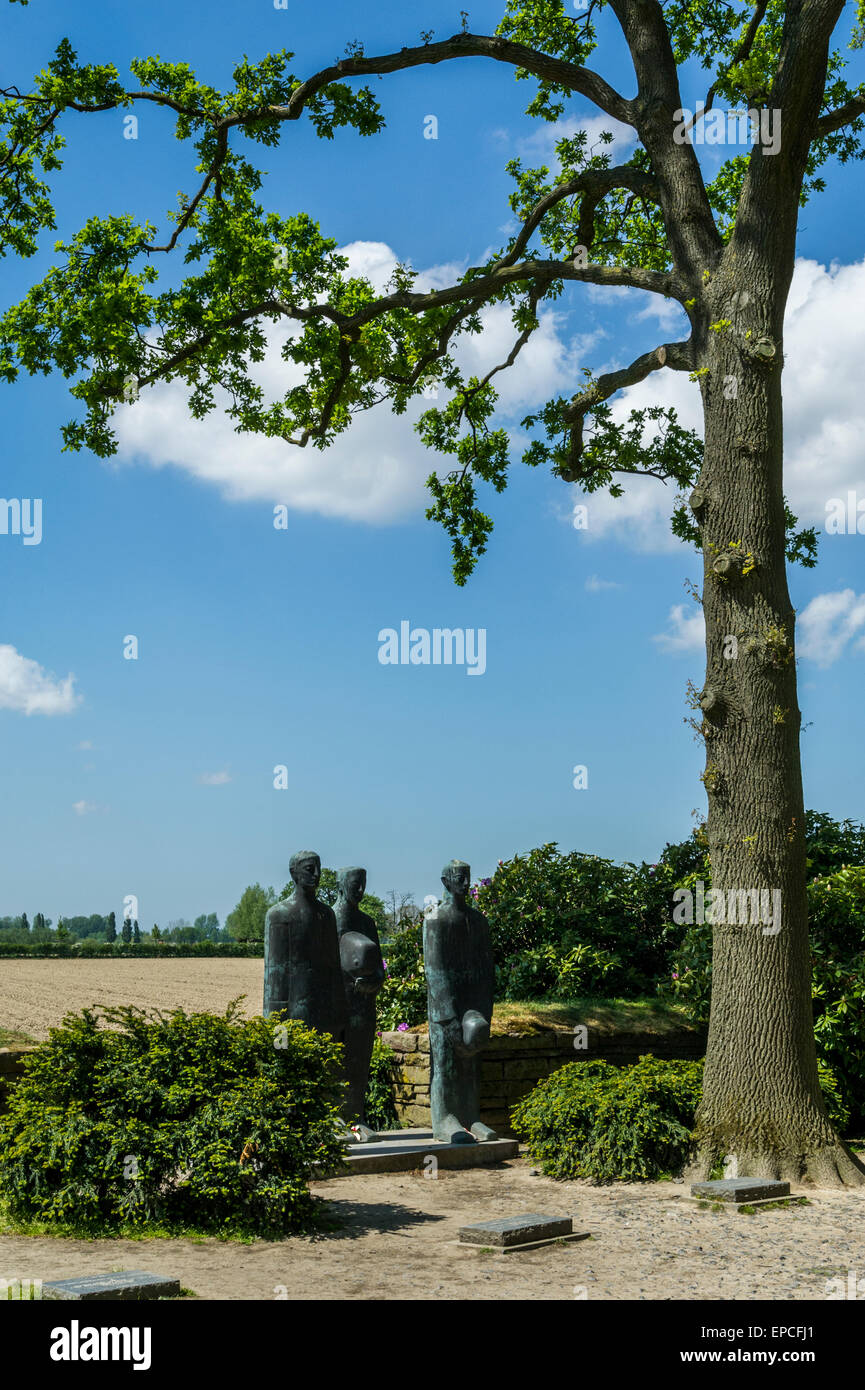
(762, 1102)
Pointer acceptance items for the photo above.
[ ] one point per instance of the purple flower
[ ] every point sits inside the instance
(402, 1027)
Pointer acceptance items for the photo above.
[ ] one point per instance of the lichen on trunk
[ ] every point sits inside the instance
(762, 1104)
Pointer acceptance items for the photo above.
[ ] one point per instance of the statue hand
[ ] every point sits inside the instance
(475, 1030)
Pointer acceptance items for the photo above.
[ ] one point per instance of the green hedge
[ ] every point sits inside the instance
(171, 1123)
(594, 1120)
(630, 1124)
(109, 949)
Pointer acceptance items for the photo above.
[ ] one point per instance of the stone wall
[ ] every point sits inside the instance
(512, 1065)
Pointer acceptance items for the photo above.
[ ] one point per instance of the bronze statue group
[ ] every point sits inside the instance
(324, 967)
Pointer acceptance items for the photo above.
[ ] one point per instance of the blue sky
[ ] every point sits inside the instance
(259, 647)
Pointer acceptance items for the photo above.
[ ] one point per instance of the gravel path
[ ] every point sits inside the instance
(647, 1242)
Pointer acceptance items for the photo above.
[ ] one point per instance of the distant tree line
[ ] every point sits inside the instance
(19, 931)
(246, 922)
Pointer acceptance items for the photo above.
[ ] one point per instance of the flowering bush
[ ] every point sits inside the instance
(542, 905)
(402, 997)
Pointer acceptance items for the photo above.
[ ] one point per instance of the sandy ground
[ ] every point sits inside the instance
(647, 1242)
(35, 994)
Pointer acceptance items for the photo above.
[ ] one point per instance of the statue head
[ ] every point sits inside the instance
(305, 868)
(457, 877)
(352, 884)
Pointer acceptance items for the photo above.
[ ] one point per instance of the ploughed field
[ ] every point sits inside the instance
(35, 994)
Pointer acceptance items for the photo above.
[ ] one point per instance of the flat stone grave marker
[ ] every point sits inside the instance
(403, 1150)
(509, 1232)
(127, 1284)
(740, 1191)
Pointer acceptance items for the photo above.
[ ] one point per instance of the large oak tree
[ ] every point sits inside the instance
(723, 250)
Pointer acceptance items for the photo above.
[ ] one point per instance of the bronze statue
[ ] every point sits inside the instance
(302, 971)
(363, 976)
(460, 975)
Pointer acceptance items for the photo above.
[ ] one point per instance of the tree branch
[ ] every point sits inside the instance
(189, 210)
(693, 238)
(841, 116)
(739, 56)
(678, 356)
(484, 287)
(596, 183)
(578, 79)
(775, 182)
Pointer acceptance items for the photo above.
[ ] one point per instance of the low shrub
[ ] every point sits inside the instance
(179, 1121)
(630, 1124)
(605, 1123)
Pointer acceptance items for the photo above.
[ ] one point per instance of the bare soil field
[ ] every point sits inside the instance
(399, 1233)
(35, 994)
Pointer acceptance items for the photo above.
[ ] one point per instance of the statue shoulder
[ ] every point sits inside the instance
(279, 911)
(367, 924)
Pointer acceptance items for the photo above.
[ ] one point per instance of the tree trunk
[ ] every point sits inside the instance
(761, 1102)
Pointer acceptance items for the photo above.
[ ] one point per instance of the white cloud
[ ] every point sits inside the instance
(667, 313)
(214, 779)
(687, 630)
(828, 625)
(540, 146)
(84, 808)
(28, 688)
(824, 403)
(825, 629)
(824, 411)
(375, 472)
(85, 745)
(594, 585)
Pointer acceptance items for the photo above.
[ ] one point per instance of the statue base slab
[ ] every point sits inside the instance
(402, 1150)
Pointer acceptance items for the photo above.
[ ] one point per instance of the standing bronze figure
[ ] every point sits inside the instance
(459, 970)
(363, 976)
